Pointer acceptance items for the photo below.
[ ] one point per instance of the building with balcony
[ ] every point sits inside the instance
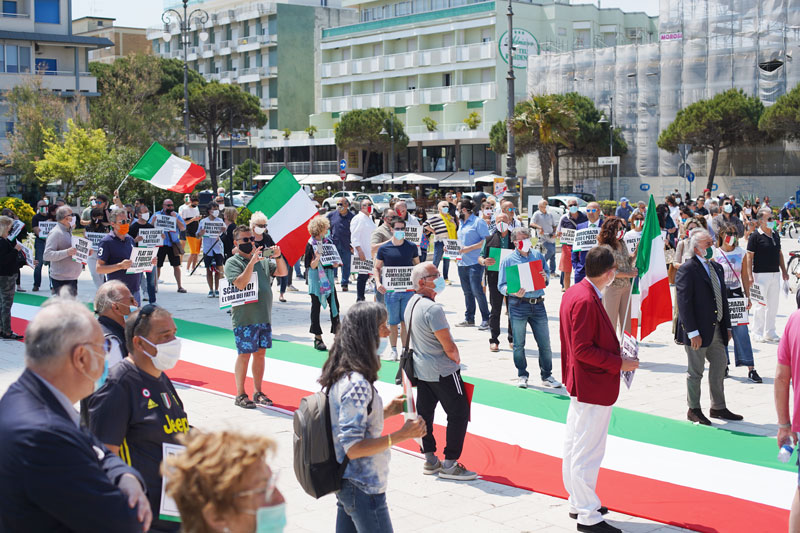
(127, 41)
(439, 61)
(269, 48)
(36, 40)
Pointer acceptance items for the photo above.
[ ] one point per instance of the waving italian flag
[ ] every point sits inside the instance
(161, 168)
(651, 302)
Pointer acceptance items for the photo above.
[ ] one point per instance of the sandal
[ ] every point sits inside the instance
(244, 402)
(181, 290)
(319, 345)
(261, 399)
(281, 299)
(11, 336)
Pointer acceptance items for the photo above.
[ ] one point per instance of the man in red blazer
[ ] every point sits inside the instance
(590, 366)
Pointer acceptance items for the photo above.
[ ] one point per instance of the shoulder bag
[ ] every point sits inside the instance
(407, 357)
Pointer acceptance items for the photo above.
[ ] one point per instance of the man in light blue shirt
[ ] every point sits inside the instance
(527, 307)
(471, 234)
(170, 238)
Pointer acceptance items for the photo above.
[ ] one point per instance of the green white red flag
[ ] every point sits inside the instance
(164, 170)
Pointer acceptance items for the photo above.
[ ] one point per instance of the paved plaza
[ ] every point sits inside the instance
(426, 503)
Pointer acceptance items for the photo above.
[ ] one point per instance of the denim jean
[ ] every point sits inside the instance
(38, 248)
(346, 255)
(297, 270)
(361, 287)
(359, 512)
(470, 277)
(550, 255)
(523, 313)
(438, 256)
(742, 349)
(149, 281)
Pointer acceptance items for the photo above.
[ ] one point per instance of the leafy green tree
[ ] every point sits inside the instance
(782, 119)
(67, 158)
(360, 129)
(243, 173)
(212, 108)
(728, 119)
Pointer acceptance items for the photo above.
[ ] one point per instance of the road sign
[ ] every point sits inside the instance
(684, 150)
(690, 177)
(684, 169)
(343, 164)
(342, 174)
(611, 160)
(472, 172)
(644, 187)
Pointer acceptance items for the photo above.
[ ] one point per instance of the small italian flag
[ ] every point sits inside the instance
(288, 210)
(167, 171)
(651, 302)
(526, 276)
(498, 254)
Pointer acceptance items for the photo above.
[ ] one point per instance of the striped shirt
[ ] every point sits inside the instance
(439, 227)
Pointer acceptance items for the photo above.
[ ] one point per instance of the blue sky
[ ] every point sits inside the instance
(144, 13)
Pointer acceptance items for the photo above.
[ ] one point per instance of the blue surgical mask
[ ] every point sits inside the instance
(439, 285)
(382, 344)
(99, 383)
(327, 234)
(399, 235)
(131, 309)
(271, 519)
(573, 209)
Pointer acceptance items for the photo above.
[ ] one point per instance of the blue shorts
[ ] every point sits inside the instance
(395, 303)
(253, 337)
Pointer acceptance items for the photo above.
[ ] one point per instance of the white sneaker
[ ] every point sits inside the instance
(522, 382)
(395, 357)
(771, 340)
(551, 382)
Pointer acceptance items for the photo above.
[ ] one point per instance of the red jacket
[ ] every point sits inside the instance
(590, 352)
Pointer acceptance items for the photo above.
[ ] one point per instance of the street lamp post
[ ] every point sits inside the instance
(610, 122)
(391, 140)
(511, 160)
(200, 17)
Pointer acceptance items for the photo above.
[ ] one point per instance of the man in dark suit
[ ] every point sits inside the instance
(590, 366)
(54, 476)
(703, 327)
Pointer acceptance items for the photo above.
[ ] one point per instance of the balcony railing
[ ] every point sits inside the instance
(16, 15)
(302, 167)
(430, 95)
(444, 128)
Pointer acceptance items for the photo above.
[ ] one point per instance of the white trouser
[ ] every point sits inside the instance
(764, 319)
(91, 264)
(584, 447)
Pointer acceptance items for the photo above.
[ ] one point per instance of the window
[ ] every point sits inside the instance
(12, 61)
(247, 61)
(47, 11)
(9, 8)
(46, 66)
(99, 22)
(446, 79)
(259, 90)
(25, 59)
(2, 58)
(228, 32)
(259, 60)
(9, 127)
(246, 32)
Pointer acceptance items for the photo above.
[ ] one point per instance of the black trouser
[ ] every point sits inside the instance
(496, 300)
(71, 284)
(450, 392)
(361, 287)
(315, 328)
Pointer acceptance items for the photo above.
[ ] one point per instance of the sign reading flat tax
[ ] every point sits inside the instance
(632, 241)
(397, 279)
(165, 222)
(213, 228)
(95, 237)
(452, 249)
(230, 296)
(360, 266)
(28, 255)
(83, 248)
(141, 260)
(414, 234)
(567, 236)
(16, 227)
(151, 237)
(329, 255)
(585, 239)
(757, 294)
(738, 310)
(45, 228)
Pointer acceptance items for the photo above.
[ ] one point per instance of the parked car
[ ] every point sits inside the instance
(379, 201)
(410, 202)
(240, 198)
(559, 203)
(585, 196)
(330, 203)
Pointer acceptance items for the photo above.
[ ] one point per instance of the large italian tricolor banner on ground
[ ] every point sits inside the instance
(700, 478)
(164, 170)
(651, 302)
(288, 210)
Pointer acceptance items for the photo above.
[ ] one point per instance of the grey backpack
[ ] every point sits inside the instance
(315, 464)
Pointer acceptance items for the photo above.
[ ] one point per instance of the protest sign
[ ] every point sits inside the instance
(83, 247)
(738, 309)
(141, 260)
(757, 294)
(28, 255)
(397, 279)
(414, 234)
(630, 350)
(361, 266)
(230, 296)
(329, 255)
(16, 227)
(95, 238)
(452, 249)
(151, 237)
(165, 222)
(45, 228)
(632, 241)
(567, 236)
(498, 254)
(585, 239)
(213, 228)
(169, 509)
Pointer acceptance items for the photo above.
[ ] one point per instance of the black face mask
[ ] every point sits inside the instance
(167, 210)
(246, 247)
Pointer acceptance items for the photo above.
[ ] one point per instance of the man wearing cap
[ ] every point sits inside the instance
(624, 209)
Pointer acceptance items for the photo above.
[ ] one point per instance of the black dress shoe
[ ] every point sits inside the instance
(603, 510)
(696, 415)
(600, 527)
(724, 414)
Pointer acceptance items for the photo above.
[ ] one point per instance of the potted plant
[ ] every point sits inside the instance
(430, 123)
(287, 133)
(473, 120)
(311, 130)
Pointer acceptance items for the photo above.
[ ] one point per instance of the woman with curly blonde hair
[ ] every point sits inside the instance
(321, 285)
(222, 483)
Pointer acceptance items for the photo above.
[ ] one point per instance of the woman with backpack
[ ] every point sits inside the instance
(357, 417)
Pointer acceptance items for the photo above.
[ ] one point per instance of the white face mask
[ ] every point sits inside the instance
(259, 230)
(503, 227)
(215, 213)
(524, 245)
(144, 215)
(71, 222)
(167, 354)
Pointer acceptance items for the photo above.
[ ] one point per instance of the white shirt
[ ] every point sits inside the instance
(361, 228)
(187, 211)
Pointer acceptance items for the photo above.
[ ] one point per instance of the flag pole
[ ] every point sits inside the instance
(122, 182)
(627, 312)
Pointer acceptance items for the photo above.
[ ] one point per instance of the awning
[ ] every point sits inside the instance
(263, 177)
(314, 179)
(487, 178)
(380, 178)
(415, 178)
(458, 179)
(354, 177)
